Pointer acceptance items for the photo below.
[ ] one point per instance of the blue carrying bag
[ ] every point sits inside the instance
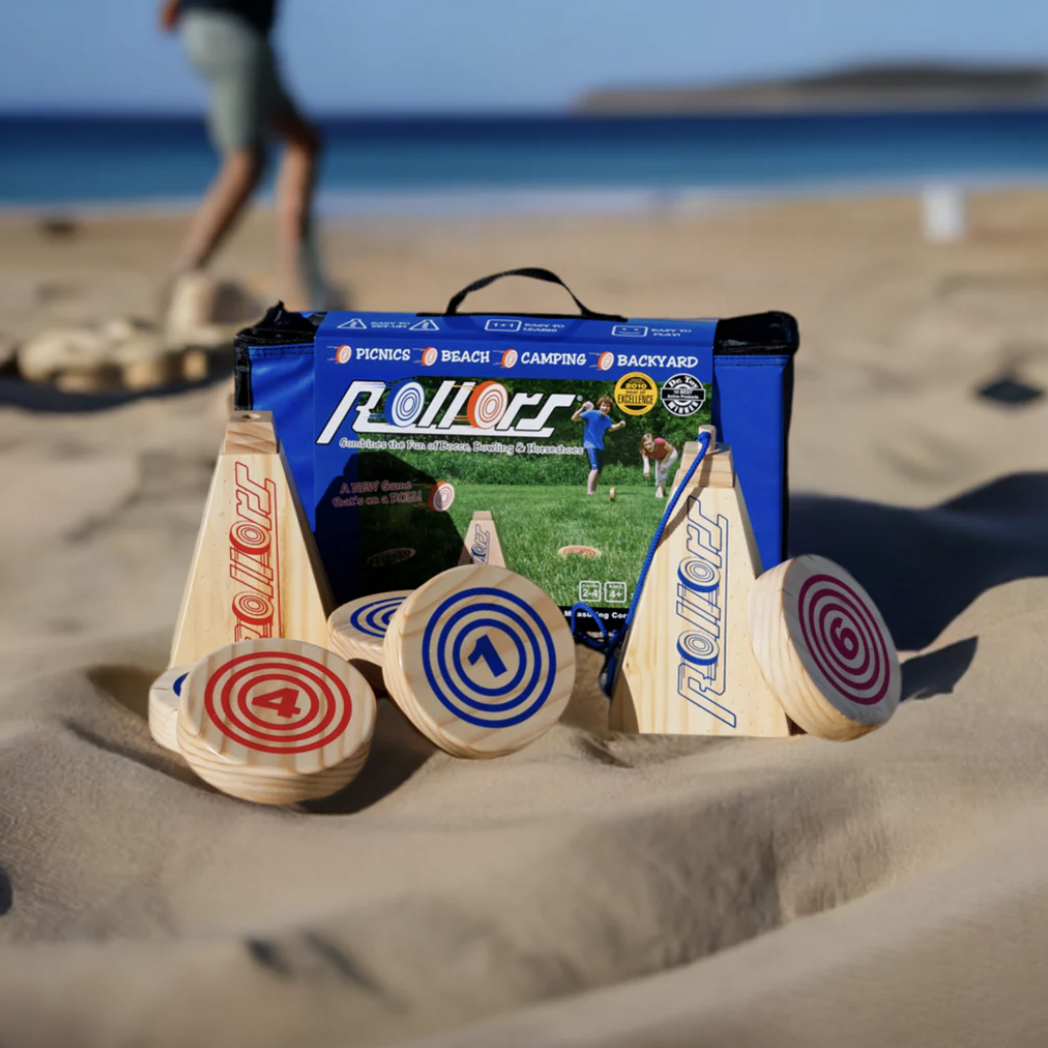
(302, 367)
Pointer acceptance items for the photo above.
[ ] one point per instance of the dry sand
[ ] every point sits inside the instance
(591, 890)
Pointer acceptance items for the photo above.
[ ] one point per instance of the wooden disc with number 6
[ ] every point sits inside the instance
(480, 660)
(275, 721)
(824, 648)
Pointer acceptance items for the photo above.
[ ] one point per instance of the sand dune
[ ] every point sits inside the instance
(593, 889)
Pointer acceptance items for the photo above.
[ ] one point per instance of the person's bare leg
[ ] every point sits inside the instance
(222, 205)
(591, 482)
(295, 183)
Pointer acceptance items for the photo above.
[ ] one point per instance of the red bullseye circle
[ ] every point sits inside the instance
(253, 608)
(236, 705)
(509, 358)
(319, 702)
(248, 537)
(844, 639)
(263, 688)
(487, 404)
(606, 361)
(579, 551)
(344, 354)
(429, 356)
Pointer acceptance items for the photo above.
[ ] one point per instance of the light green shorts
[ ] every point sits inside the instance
(238, 62)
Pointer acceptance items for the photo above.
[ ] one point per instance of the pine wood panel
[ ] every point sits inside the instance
(482, 544)
(275, 721)
(255, 573)
(687, 665)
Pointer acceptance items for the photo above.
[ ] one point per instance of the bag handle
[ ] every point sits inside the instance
(534, 273)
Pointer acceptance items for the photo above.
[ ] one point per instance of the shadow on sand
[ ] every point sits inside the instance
(924, 567)
(32, 396)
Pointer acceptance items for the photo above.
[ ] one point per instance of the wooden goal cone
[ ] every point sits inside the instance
(256, 573)
(275, 721)
(356, 631)
(480, 660)
(825, 650)
(482, 544)
(687, 666)
(163, 706)
(716, 470)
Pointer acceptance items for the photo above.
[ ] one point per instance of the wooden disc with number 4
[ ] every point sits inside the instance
(824, 648)
(275, 721)
(480, 660)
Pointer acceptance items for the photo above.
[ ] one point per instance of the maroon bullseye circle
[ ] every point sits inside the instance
(319, 701)
(844, 639)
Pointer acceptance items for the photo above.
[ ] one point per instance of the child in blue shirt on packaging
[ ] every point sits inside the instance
(598, 423)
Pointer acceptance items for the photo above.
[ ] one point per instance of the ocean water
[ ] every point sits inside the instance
(414, 164)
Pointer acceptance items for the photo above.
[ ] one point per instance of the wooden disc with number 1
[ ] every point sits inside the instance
(275, 721)
(480, 660)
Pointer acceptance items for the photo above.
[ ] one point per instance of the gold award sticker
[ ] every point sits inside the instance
(636, 393)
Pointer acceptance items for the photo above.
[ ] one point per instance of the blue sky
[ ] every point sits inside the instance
(382, 55)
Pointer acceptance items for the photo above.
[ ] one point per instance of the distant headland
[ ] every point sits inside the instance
(872, 87)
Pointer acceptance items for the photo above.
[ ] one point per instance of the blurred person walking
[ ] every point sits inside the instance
(227, 42)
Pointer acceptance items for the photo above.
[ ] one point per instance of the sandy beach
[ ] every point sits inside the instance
(593, 889)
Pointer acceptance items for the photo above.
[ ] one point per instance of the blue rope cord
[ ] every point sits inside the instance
(610, 643)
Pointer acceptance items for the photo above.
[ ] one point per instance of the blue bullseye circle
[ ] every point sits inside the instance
(373, 619)
(533, 634)
(699, 575)
(456, 655)
(698, 648)
(404, 403)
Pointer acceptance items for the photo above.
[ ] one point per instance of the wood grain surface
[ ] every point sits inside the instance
(255, 573)
(275, 721)
(687, 665)
(716, 471)
(480, 660)
(356, 631)
(482, 544)
(824, 648)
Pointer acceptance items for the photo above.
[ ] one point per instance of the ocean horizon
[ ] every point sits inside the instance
(419, 166)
